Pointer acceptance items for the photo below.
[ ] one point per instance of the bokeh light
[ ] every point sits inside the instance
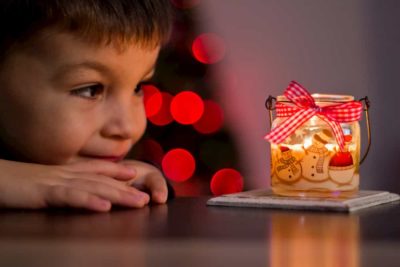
(187, 107)
(208, 48)
(212, 118)
(226, 181)
(152, 99)
(184, 4)
(163, 116)
(178, 165)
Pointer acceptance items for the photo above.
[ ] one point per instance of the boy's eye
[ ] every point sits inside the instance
(93, 91)
(139, 87)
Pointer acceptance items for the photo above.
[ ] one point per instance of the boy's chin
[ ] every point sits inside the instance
(76, 159)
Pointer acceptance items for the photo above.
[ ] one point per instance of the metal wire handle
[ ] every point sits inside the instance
(367, 104)
(269, 104)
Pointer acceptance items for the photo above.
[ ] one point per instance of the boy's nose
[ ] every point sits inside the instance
(124, 121)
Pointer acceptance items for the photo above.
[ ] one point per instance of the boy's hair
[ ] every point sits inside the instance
(147, 22)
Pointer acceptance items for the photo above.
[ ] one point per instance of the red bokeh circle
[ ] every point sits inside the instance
(212, 119)
(187, 107)
(152, 99)
(163, 116)
(178, 165)
(208, 48)
(226, 181)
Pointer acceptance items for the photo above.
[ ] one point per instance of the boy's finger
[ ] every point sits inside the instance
(61, 196)
(107, 168)
(156, 184)
(98, 178)
(131, 198)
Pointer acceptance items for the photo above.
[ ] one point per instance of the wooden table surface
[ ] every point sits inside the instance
(186, 232)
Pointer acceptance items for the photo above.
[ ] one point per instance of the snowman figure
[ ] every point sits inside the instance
(315, 163)
(288, 168)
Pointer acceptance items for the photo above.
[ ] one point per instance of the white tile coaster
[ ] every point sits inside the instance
(266, 199)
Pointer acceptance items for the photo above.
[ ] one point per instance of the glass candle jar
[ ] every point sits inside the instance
(309, 162)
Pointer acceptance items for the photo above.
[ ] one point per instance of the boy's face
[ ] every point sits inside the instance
(66, 100)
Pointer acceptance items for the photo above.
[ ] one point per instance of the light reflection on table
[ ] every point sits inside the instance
(314, 240)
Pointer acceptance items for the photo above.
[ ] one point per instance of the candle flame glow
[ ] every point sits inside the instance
(307, 142)
(331, 147)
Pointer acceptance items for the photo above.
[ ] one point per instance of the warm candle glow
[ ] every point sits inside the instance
(332, 147)
(315, 139)
(312, 160)
(307, 142)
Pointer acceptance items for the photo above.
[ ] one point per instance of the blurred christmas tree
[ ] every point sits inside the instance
(186, 134)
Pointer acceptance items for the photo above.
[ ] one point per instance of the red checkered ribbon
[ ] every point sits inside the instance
(304, 108)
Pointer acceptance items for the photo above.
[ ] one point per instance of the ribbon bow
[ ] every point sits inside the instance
(304, 108)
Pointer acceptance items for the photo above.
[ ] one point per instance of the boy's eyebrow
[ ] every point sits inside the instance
(85, 64)
(96, 66)
(149, 74)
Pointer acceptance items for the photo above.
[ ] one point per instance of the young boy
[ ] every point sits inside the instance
(71, 103)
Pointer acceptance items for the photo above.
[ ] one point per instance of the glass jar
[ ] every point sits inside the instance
(309, 162)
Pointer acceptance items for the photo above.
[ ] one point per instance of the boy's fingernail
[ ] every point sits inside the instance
(145, 197)
(101, 204)
(131, 170)
(137, 198)
(160, 197)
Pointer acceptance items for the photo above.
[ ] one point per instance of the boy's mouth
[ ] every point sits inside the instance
(108, 158)
(113, 159)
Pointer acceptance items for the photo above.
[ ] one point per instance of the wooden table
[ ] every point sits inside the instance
(186, 232)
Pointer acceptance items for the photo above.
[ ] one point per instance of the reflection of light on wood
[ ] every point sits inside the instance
(314, 240)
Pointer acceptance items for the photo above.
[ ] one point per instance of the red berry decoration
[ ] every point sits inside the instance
(341, 159)
(284, 148)
(347, 138)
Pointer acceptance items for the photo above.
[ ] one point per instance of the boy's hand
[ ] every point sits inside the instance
(148, 179)
(93, 184)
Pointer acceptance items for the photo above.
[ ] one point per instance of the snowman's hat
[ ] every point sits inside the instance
(324, 136)
(284, 148)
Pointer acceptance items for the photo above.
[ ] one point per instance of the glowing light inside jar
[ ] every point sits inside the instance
(307, 142)
(332, 147)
